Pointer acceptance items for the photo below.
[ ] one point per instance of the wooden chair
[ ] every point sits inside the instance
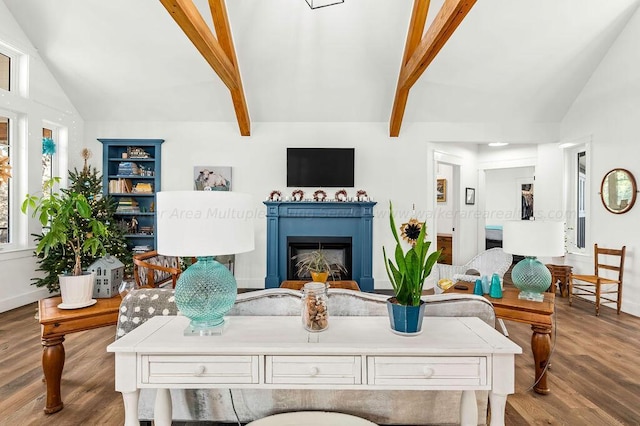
(151, 269)
(592, 285)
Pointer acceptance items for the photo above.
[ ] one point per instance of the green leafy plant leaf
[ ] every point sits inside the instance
(411, 269)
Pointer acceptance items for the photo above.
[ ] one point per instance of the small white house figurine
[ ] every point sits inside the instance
(109, 274)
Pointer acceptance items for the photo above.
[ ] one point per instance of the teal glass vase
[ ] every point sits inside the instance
(532, 278)
(205, 292)
(496, 287)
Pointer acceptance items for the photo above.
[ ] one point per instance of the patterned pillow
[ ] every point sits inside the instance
(140, 305)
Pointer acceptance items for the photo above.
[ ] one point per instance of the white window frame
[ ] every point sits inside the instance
(571, 181)
(57, 136)
(18, 70)
(14, 209)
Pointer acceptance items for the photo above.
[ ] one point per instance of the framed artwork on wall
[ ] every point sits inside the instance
(212, 178)
(441, 190)
(470, 196)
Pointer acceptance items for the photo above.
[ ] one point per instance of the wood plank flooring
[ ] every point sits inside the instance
(594, 374)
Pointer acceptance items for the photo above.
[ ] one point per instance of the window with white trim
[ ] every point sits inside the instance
(5, 182)
(5, 72)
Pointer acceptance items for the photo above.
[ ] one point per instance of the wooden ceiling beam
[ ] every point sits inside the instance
(219, 53)
(451, 14)
(223, 31)
(414, 35)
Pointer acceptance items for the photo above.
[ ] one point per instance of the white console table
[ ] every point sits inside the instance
(354, 353)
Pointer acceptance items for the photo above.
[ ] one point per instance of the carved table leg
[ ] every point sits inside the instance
(52, 365)
(541, 347)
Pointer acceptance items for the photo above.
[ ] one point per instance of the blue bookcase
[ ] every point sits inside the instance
(131, 176)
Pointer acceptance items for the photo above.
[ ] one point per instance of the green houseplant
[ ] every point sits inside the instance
(71, 227)
(407, 277)
(319, 265)
(60, 260)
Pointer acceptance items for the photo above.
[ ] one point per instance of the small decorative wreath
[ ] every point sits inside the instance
(361, 195)
(319, 195)
(341, 195)
(275, 195)
(297, 195)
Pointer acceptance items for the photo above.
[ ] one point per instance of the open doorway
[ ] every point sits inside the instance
(447, 209)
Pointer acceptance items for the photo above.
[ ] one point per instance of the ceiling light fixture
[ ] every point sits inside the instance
(317, 4)
(498, 143)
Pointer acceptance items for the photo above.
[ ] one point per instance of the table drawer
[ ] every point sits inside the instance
(314, 369)
(421, 371)
(199, 369)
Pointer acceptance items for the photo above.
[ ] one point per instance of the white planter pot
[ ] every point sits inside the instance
(77, 290)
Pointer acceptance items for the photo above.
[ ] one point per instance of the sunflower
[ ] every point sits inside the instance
(411, 230)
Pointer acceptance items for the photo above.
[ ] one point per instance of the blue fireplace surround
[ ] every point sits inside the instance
(320, 219)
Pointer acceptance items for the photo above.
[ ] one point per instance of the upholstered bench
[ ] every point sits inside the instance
(381, 407)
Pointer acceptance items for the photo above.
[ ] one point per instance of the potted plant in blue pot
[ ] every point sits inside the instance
(407, 276)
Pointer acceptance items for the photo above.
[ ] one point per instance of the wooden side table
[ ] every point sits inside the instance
(297, 285)
(55, 324)
(560, 273)
(538, 314)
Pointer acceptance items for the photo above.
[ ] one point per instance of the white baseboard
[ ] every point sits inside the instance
(23, 299)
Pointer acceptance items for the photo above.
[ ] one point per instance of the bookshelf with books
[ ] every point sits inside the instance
(131, 176)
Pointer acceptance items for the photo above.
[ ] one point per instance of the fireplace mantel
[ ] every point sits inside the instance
(320, 219)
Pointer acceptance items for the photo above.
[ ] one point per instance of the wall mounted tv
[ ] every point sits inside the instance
(320, 167)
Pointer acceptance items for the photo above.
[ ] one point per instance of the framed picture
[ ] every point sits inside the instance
(212, 178)
(441, 190)
(470, 196)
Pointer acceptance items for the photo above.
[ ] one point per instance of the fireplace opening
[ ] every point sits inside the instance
(338, 248)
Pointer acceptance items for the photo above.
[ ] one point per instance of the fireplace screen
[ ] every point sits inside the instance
(337, 249)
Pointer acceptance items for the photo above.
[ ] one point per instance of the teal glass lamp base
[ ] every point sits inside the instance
(532, 278)
(205, 293)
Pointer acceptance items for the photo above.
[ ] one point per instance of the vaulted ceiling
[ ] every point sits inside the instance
(509, 60)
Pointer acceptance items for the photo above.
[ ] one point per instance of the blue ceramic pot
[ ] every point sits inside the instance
(405, 319)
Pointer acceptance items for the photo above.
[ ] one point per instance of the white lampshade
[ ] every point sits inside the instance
(533, 238)
(204, 223)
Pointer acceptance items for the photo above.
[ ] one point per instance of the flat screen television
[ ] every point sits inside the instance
(320, 167)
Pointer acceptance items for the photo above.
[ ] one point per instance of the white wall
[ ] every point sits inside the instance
(46, 101)
(502, 193)
(608, 109)
(400, 170)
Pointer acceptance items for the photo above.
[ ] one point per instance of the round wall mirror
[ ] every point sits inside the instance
(618, 191)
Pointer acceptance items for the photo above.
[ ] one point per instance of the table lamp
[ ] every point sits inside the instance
(532, 238)
(204, 224)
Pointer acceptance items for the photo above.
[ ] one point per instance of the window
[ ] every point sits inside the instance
(581, 201)
(5, 187)
(48, 150)
(5, 72)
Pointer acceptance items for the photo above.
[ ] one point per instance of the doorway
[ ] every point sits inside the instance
(447, 209)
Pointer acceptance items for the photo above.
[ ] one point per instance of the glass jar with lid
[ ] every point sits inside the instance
(315, 315)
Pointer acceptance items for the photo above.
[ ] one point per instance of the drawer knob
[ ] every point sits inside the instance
(200, 370)
(428, 372)
(313, 371)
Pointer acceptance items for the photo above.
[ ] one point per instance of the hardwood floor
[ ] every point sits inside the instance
(594, 374)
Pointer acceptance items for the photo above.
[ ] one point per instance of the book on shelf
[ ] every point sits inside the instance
(141, 249)
(128, 168)
(143, 187)
(120, 186)
(127, 205)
